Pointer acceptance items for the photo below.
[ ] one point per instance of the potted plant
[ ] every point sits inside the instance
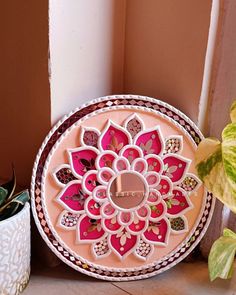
(216, 166)
(14, 238)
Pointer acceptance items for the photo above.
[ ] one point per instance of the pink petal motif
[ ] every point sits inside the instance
(152, 178)
(123, 243)
(108, 211)
(158, 233)
(89, 181)
(125, 218)
(82, 160)
(153, 197)
(154, 163)
(89, 230)
(72, 197)
(89, 136)
(100, 193)
(178, 203)
(164, 186)
(134, 125)
(121, 164)
(92, 208)
(106, 159)
(111, 225)
(137, 226)
(114, 138)
(104, 175)
(175, 167)
(150, 142)
(139, 165)
(131, 153)
(143, 212)
(157, 211)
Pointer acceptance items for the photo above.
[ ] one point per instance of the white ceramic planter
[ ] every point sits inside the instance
(15, 252)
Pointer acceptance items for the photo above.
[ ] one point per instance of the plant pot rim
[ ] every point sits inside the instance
(17, 215)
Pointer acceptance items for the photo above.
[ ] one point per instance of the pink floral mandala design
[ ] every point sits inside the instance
(86, 189)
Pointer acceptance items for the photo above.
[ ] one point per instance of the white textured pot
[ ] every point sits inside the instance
(15, 252)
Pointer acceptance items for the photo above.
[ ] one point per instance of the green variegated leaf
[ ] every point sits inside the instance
(210, 169)
(221, 258)
(233, 112)
(216, 166)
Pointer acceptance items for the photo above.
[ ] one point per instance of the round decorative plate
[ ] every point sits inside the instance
(114, 189)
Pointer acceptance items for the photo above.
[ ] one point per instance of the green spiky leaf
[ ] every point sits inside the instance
(3, 195)
(10, 185)
(14, 205)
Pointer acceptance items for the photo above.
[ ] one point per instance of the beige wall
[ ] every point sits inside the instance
(165, 50)
(87, 51)
(25, 105)
(153, 47)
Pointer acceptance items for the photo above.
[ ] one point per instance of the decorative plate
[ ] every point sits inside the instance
(114, 189)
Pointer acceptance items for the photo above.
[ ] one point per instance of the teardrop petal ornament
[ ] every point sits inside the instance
(191, 183)
(134, 125)
(63, 175)
(144, 250)
(101, 249)
(89, 136)
(173, 145)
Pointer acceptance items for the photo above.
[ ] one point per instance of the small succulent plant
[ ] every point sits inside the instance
(216, 166)
(11, 202)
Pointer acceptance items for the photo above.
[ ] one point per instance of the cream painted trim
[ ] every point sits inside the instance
(207, 73)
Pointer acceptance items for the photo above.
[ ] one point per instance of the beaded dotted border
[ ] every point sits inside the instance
(57, 132)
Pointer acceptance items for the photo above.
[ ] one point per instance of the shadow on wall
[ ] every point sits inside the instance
(165, 47)
(25, 101)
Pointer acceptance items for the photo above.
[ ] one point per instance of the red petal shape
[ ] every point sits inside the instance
(164, 186)
(175, 167)
(150, 142)
(111, 224)
(131, 153)
(82, 160)
(137, 227)
(89, 230)
(177, 203)
(157, 210)
(72, 197)
(157, 233)
(154, 164)
(128, 247)
(90, 181)
(93, 208)
(106, 160)
(114, 139)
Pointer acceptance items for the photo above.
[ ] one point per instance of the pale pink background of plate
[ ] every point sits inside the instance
(52, 189)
